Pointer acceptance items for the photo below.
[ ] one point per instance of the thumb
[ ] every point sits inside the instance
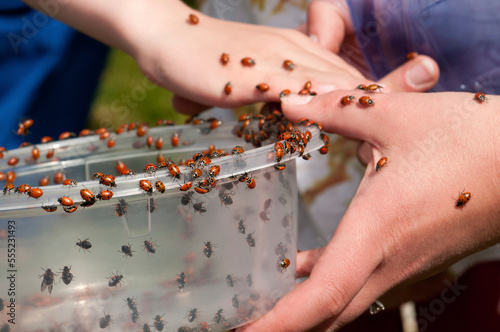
(417, 75)
(326, 22)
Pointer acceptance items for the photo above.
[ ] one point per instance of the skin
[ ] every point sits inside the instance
(403, 224)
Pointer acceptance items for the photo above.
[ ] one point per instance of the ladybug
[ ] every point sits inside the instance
(115, 280)
(120, 166)
(35, 193)
(159, 186)
(230, 280)
(366, 101)
(46, 139)
(95, 176)
(127, 250)
(224, 58)
(35, 153)
(84, 244)
(104, 195)
(192, 315)
(480, 97)
(463, 198)
(8, 188)
(105, 135)
(146, 186)
(11, 177)
(193, 19)
(237, 150)
(196, 173)
(278, 148)
(132, 305)
(186, 198)
(248, 62)
(48, 280)
(87, 195)
(69, 183)
(218, 316)
(304, 92)
(288, 65)
(361, 87)
(186, 186)
(149, 141)
(159, 143)
(215, 123)
(104, 321)
(251, 240)
(141, 130)
(121, 208)
(283, 264)
(181, 280)
(66, 275)
(127, 172)
(50, 153)
(198, 207)
(108, 180)
(279, 166)
(307, 85)
(150, 169)
(13, 161)
(214, 171)
(203, 161)
(251, 183)
(262, 87)
(284, 93)
(159, 323)
(174, 171)
(23, 189)
(347, 100)
(174, 139)
(150, 246)
(65, 201)
(49, 208)
(190, 163)
(23, 127)
(381, 163)
(373, 87)
(228, 89)
(66, 135)
(411, 55)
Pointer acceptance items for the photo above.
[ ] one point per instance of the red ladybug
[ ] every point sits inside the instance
(288, 65)
(248, 62)
(381, 163)
(262, 87)
(463, 198)
(186, 186)
(87, 195)
(44, 181)
(278, 148)
(251, 183)
(366, 101)
(174, 171)
(74, 207)
(146, 186)
(149, 141)
(284, 263)
(13, 161)
(35, 153)
(50, 153)
(111, 143)
(480, 97)
(347, 100)
(228, 89)
(23, 189)
(108, 180)
(193, 19)
(69, 183)
(308, 85)
(105, 195)
(11, 176)
(411, 55)
(8, 188)
(49, 208)
(150, 169)
(65, 201)
(224, 58)
(159, 186)
(159, 143)
(35, 193)
(237, 150)
(214, 170)
(174, 139)
(285, 92)
(373, 87)
(361, 87)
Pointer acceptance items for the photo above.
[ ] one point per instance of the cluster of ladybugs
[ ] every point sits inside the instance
(480, 97)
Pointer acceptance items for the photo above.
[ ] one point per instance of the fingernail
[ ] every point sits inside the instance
(293, 99)
(421, 74)
(314, 38)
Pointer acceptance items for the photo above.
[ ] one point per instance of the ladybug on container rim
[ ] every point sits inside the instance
(146, 186)
(35, 193)
(105, 195)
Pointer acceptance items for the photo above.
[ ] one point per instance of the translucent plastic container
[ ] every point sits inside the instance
(188, 259)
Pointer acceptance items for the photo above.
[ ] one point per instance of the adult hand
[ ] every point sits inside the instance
(403, 223)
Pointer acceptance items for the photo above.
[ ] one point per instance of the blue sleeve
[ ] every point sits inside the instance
(463, 36)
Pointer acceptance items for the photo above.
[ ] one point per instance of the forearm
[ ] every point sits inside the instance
(122, 24)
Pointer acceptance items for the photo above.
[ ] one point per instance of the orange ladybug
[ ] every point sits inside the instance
(228, 89)
(463, 198)
(193, 19)
(381, 163)
(262, 87)
(347, 100)
(366, 101)
(284, 263)
(480, 97)
(224, 58)
(288, 65)
(248, 62)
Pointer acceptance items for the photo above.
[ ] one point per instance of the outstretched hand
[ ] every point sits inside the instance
(407, 220)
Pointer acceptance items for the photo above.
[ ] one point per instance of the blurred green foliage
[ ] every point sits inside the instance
(124, 95)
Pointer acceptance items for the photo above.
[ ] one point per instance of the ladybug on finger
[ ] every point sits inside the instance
(463, 199)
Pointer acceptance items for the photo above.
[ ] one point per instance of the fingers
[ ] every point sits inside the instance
(417, 75)
(338, 275)
(325, 23)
